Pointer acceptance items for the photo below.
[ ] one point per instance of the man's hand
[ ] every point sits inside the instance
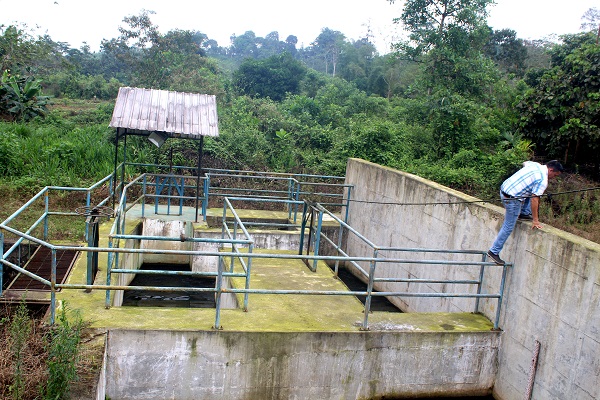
(535, 208)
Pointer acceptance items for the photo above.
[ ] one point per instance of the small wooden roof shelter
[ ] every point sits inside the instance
(163, 114)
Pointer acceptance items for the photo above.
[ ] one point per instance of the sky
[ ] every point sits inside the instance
(79, 21)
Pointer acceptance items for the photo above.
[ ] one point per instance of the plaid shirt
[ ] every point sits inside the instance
(530, 180)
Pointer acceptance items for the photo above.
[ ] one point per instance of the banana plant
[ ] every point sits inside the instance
(21, 98)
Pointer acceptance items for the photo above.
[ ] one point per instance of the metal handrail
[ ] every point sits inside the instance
(293, 200)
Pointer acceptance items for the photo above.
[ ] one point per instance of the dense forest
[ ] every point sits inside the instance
(456, 102)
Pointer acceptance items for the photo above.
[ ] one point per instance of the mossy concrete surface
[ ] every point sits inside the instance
(266, 312)
(283, 346)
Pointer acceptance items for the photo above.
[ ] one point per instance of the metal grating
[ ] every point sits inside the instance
(41, 265)
(177, 114)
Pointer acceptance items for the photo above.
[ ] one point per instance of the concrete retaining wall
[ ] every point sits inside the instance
(146, 365)
(127, 261)
(171, 229)
(552, 293)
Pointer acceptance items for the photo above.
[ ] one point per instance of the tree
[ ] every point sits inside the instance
(328, 46)
(270, 45)
(507, 51)
(27, 55)
(537, 54)
(562, 112)
(174, 61)
(272, 77)
(590, 21)
(448, 36)
(435, 23)
(290, 44)
(244, 46)
(356, 61)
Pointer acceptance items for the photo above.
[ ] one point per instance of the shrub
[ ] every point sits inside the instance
(63, 351)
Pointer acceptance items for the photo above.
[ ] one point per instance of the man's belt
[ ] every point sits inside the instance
(507, 195)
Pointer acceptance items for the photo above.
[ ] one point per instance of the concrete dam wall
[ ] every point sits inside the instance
(552, 293)
(188, 365)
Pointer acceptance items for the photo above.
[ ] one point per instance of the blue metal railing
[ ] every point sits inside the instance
(372, 280)
(236, 237)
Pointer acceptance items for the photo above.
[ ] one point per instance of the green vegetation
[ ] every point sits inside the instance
(19, 331)
(38, 361)
(457, 102)
(63, 352)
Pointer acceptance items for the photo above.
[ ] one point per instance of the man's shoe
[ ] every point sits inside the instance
(495, 258)
(525, 217)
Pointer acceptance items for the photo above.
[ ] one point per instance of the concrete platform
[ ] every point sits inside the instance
(284, 346)
(266, 312)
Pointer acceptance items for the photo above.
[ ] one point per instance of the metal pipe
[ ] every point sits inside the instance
(532, 370)
(253, 255)
(367, 310)
(218, 293)
(501, 291)
(317, 240)
(187, 239)
(248, 278)
(175, 273)
(415, 280)
(53, 289)
(1, 264)
(24, 206)
(200, 151)
(480, 282)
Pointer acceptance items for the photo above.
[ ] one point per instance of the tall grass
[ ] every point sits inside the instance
(44, 155)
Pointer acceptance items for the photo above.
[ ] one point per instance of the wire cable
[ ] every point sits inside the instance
(494, 200)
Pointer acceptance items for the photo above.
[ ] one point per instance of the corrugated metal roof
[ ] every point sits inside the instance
(178, 114)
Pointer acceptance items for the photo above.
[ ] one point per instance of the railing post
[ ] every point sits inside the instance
(233, 245)
(46, 210)
(290, 196)
(219, 290)
(181, 191)
(205, 201)
(373, 263)
(248, 269)
(317, 239)
(480, 282)
(123, 212)
(224, 223)
(497, 320)
(1, 264)
(296, 197)
(303, 227)
(348, 204)
(144, 182)
(53, 288)
(339, 245)
(92, 222)
(111, 257)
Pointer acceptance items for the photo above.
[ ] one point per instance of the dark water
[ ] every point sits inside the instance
(142, 298)
(378, 303)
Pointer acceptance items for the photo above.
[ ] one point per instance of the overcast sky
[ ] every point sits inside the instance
(78, 21)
